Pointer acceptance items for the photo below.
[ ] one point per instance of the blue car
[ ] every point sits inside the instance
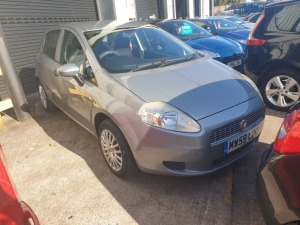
(224, 28)
(221, 49)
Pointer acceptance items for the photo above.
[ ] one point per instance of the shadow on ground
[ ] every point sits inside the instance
(148, 199)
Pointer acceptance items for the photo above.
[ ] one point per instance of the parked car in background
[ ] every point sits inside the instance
(154, 102)
(273, 59)
(224, 28)
(239, 21)
(246, 17)
(13, 211)
(253, 17)
(222, 49)
(278, 181)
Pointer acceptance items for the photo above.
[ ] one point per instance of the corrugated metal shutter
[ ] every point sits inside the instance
(146, 8)
(3, 91)
(25, 21)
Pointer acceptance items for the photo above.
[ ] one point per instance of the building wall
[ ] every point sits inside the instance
(143, 9)
(125, 9)
(106, 10)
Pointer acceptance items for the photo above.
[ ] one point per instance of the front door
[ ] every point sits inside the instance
(77, 103)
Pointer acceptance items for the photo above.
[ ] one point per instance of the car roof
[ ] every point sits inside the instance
(214, 18)
(288, 2)
(173, 20)
(104, 24)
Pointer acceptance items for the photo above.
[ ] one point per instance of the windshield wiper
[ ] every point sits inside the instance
(170, 61)
(198, 37)
(161, 63)
(193, 56)
(144, 66)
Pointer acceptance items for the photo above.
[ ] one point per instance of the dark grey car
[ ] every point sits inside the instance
(153, 102)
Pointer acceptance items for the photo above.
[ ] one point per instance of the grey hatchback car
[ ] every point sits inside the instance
(154, 103)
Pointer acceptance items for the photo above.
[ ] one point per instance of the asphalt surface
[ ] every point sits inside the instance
(59, 171)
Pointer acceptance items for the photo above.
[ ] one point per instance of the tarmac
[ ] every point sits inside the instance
(59, 171)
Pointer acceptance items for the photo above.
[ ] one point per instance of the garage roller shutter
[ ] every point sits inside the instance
(3, 91)
(146, 8)
(25, 21)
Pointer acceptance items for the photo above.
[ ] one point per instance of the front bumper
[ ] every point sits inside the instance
(188, 154)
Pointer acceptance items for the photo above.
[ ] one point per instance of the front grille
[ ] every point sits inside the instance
(234, 57)
(234, 127)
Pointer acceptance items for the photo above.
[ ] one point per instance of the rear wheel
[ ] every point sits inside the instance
(116, 150)
(46, 103)
(281, 89)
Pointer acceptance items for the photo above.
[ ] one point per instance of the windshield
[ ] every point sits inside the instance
(224, 25)
(131, 49)
(185, 30)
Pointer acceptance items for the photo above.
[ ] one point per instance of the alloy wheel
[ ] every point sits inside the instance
(111, 150)
(282, 91)
(43, 96)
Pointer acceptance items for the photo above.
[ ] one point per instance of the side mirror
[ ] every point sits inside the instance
(70, 70)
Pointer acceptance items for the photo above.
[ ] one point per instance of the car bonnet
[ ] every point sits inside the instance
(215, 44)
(240, 34)
(200, 88)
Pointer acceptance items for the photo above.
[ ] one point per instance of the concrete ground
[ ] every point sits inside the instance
(59, 171)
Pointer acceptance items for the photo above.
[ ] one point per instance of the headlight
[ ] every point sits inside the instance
(209, 53)
(163, 115)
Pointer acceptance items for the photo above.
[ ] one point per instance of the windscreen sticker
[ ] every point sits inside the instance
(186, 29)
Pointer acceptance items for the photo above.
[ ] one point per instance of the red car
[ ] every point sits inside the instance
(13, 211)
(278, 183)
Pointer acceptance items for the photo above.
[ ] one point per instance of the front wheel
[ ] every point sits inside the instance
(116, 150)
(281, 89)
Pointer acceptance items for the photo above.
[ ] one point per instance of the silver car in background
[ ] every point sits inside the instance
(153, 102)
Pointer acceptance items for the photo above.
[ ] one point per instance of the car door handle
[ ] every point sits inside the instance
(91, 98)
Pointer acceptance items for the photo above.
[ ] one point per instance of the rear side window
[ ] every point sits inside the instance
(288, 18)
(50, 43)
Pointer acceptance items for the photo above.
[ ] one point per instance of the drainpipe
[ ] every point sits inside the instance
(13, 82)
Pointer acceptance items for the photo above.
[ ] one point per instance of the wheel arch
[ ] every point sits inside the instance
(274, 66)
(98, 119)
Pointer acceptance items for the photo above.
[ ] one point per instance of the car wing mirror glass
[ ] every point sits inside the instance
(70, 70)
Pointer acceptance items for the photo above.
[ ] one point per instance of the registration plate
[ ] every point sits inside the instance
(235, 63)
(235, 143)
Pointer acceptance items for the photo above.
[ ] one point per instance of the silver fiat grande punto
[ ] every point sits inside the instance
(154, 103)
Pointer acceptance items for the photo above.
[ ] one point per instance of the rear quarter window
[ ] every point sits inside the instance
(50, 43)
(287, 18)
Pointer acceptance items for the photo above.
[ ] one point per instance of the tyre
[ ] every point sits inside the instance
(281, 89)
(116, 150)
(46, 102)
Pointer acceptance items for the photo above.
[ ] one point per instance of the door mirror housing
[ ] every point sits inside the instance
(70, 70)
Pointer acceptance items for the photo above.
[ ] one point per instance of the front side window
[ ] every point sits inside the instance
(131, 49)
(236, 20)
(224, 25)
(50, 43)
(288, 18)
(201, 24)
(72, 52)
